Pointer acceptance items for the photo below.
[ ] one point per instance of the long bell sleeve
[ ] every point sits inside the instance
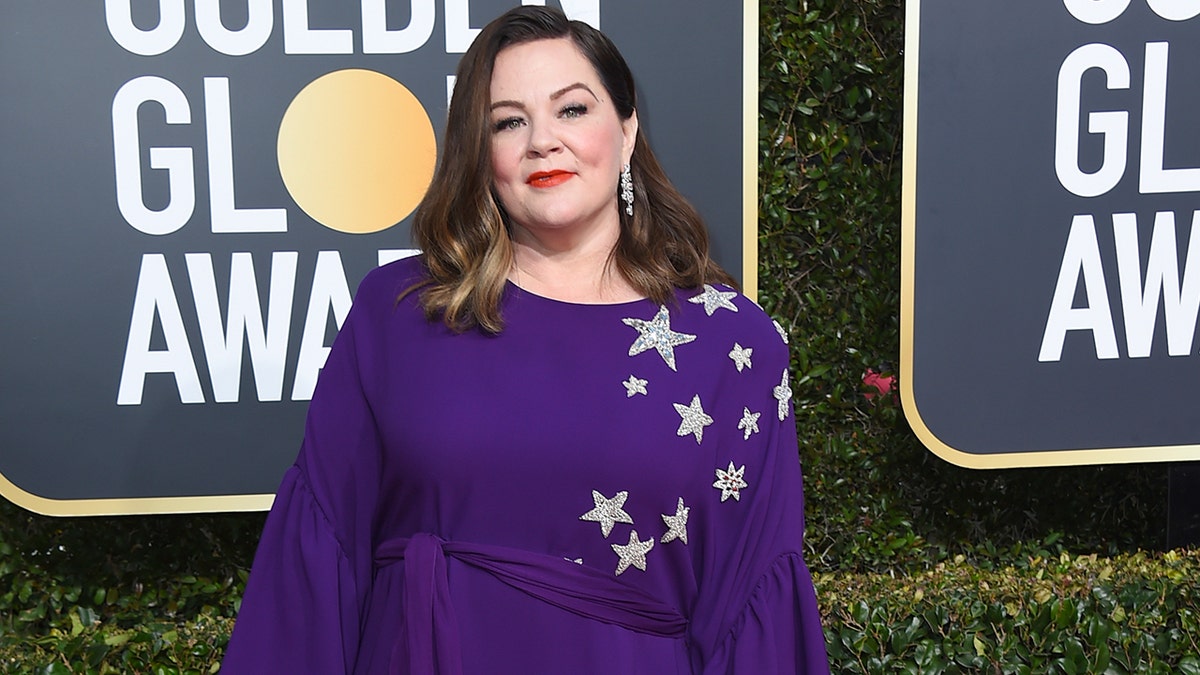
(311, 577)
(757, 610)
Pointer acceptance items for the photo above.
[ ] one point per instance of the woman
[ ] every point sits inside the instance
(555, 443)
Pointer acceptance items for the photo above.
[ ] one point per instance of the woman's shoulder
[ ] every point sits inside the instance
(724, 306)
(392, 280)
(730, 323)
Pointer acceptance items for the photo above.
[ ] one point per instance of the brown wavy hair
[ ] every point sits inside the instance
(461, 225)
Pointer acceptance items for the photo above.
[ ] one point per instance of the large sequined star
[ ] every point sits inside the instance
(729, 482)
(676, 524)
(633, 553)
(713, 299)
(740, 356)
(634, 385)
(657, 334)
(694, 419)
(783, 394)
(749, 423)
(608, 512)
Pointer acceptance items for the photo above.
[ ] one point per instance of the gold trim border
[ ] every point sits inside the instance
(1177, 453)
(750, 30)
(262, 502)
(132, 505)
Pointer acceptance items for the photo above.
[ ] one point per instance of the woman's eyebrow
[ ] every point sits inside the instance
(508, 103)
(571, 87)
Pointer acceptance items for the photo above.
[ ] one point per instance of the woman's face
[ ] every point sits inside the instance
(557, 142)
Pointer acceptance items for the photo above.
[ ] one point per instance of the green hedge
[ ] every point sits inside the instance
(142, 594)
(1059, 614)
(1034, 608)
(921, 566)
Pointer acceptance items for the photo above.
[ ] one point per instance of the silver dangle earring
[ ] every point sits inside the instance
(627, 189)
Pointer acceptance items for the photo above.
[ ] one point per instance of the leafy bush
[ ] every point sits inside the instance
(1044, 614)
(120, 595)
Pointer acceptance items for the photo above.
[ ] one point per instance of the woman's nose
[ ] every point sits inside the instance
(543, 139)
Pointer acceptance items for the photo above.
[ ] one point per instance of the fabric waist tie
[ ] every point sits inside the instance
(431, 633)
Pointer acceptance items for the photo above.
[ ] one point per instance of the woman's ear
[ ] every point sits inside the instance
(629, 129)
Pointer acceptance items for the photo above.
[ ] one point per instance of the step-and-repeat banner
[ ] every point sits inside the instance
(1051, 261)
(192, 190)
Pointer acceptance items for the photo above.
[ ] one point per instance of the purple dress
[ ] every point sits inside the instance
(597, 489)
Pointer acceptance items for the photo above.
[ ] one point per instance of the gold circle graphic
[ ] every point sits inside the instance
(356, 151)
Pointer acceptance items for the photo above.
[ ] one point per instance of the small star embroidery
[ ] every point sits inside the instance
(676, 524)
(740, 356)
(693, 419)
(633, 386)
(608, 512)
(656, 334)
(713, 299)
(749, 423)
(633, 553)
(729, 482)
(782, 333)
(783, 394)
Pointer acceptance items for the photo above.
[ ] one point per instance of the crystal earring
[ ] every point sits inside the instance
(627, 189)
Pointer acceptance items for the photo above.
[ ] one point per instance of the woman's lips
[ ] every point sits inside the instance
(546, 179)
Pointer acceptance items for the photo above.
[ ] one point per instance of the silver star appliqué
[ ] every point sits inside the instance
(783, 394)
(657, 334)
(694, 419)
(633, 553)
(634, 385)
(749, 423)
(782, 333)
(713, 299)
(608, 512)
(676, 524)
(729, 482)
(740, 356)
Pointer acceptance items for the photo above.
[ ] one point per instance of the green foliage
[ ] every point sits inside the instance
(1043, 614)
(120, 595)
(921, 566)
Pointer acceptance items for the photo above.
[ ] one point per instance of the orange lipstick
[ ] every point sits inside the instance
(548, 179)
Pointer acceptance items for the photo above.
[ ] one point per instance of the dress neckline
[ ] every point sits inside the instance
(519, 291)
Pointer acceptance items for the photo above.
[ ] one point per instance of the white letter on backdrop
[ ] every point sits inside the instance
(1175, 10)
(377, 39)
(1153, 178)
(1096, 11)
(1112, 125)
(268, 345)
(1082, 254)
(119, 16)
(1140, 302)
(156, 296)
(127, 161)
(259, 22)
(226, 217)
(329, 291)
(298, 38)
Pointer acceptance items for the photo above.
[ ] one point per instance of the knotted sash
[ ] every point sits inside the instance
(430, 633)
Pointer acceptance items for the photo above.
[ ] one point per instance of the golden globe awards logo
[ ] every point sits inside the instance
(355, 151)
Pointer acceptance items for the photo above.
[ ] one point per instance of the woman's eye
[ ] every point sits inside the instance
(508, 123)
(573, 111)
